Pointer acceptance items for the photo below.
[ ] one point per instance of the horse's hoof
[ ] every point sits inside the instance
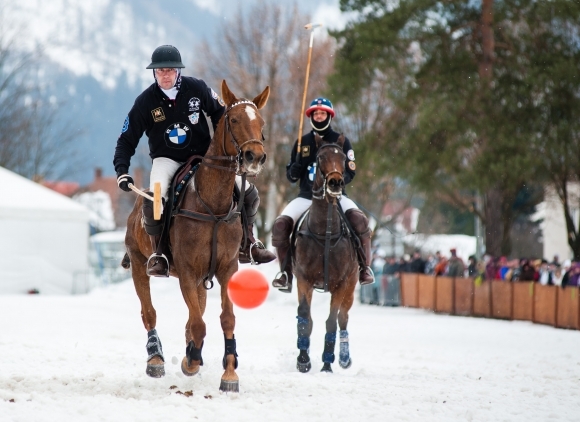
(326, 368)
(303, 367)
(345, 365)
(186, 371)
(155, 371)
(230, 386)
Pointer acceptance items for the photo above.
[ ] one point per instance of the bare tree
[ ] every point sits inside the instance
(268, 45)
(32, 143)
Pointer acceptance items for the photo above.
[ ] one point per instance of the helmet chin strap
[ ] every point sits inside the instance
(320, 129)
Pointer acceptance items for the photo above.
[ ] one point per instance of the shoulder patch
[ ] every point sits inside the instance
(350, 155)
(125, 125)
(352, 165)
(305, 151)
(217, 97)
(158, 115)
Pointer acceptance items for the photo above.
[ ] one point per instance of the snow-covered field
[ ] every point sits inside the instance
(82, 358)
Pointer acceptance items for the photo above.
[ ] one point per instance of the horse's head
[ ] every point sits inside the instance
(330, 162)
(243, 125)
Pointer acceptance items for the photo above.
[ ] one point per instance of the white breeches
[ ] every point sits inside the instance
(163, 169)
(298, 206)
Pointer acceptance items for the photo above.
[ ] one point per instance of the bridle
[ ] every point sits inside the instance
(322, 191)
(237, 159)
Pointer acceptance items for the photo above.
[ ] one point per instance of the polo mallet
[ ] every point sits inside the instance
(156, 198)
(309, 26)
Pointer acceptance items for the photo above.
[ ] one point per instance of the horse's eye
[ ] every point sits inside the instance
(233, 120)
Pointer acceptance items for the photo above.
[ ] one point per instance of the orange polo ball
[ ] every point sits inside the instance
(248, 288)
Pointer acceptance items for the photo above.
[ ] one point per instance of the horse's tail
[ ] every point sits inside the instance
(126, 262)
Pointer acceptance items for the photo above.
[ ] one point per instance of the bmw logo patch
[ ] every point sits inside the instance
(125, 125)
(177, 135)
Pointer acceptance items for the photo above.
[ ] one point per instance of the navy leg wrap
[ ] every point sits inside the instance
(230, 350)
(329, 342)
(193, 353)
(344, 354)
(154, 345)
(303, 340)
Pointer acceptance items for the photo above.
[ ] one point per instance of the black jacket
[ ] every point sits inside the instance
(308, 158)
(177, 129)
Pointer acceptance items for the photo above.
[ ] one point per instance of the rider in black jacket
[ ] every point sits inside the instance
(170, 113)
(302, 169)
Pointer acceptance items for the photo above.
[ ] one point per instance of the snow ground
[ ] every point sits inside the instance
(82, 358)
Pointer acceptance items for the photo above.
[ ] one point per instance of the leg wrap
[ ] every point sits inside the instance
(251, 204)
(344, 354)
(152, 227)
(329, 342)
(193, 353)
(303, 339)
(230, 350)
(154, 345)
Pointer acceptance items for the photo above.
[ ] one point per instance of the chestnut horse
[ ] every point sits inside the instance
(325, 257)
(236, 148)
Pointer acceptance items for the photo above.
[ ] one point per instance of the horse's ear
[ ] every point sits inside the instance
(340, 140)
(318, 140)
(262, 99)
(227, 95)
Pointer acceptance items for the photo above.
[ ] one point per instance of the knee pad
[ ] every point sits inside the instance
(282, 230)
(359, 222)
(152, 227)
(251, 203)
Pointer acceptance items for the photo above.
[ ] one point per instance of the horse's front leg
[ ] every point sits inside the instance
(336, 300)
(304, 325)
(155, 361)
(344, 359)
(230, 381)
(195, 327)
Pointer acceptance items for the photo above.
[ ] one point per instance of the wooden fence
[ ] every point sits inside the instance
(526, 301)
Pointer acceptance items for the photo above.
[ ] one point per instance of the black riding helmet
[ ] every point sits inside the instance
(165, 56)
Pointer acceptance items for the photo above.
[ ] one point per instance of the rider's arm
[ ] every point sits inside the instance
(350, 166)
(213, 105)
(133, 128)
(291, 163)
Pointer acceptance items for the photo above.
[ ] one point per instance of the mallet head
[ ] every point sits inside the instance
(312, 25)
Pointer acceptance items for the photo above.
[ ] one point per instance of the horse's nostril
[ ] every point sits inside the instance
(263, 159)
(249, 156)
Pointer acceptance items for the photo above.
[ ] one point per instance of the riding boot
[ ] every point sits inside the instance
(281, 232)
(253, 251)
(157, 264)
(360, 225)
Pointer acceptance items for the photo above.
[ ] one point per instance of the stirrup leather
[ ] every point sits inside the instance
(162, 256)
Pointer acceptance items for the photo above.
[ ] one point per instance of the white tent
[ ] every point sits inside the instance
(43, 239)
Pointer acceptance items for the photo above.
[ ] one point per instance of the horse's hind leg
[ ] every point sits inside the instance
(344, 359)
(155, 360)
(304, 325)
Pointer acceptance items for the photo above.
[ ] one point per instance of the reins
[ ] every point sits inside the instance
(234, 212)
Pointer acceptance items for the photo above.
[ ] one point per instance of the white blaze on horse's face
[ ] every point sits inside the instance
(251, 112)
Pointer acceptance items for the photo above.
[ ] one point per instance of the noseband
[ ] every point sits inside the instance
(237, 159)
(322, 191)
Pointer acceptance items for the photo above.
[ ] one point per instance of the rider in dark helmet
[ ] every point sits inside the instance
(302, 169)
(169, 112)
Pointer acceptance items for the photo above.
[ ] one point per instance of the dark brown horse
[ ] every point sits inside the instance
(236, 148)
(325, 257)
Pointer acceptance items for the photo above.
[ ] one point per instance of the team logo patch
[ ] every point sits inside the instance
(193, 104)
(158, 115)
(125, 125)
(194, 118)
(350, 155)
(306, 151)
(177, 134)
(352, 165)
(312, 172)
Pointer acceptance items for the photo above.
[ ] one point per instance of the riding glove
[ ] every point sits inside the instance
(123, 181)
(295, 171)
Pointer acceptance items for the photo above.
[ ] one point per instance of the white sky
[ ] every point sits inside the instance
(82, 358)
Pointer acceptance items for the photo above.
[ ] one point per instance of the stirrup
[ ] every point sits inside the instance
(366, 283)
(258, 243)
(162, 256)
(278, 276)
